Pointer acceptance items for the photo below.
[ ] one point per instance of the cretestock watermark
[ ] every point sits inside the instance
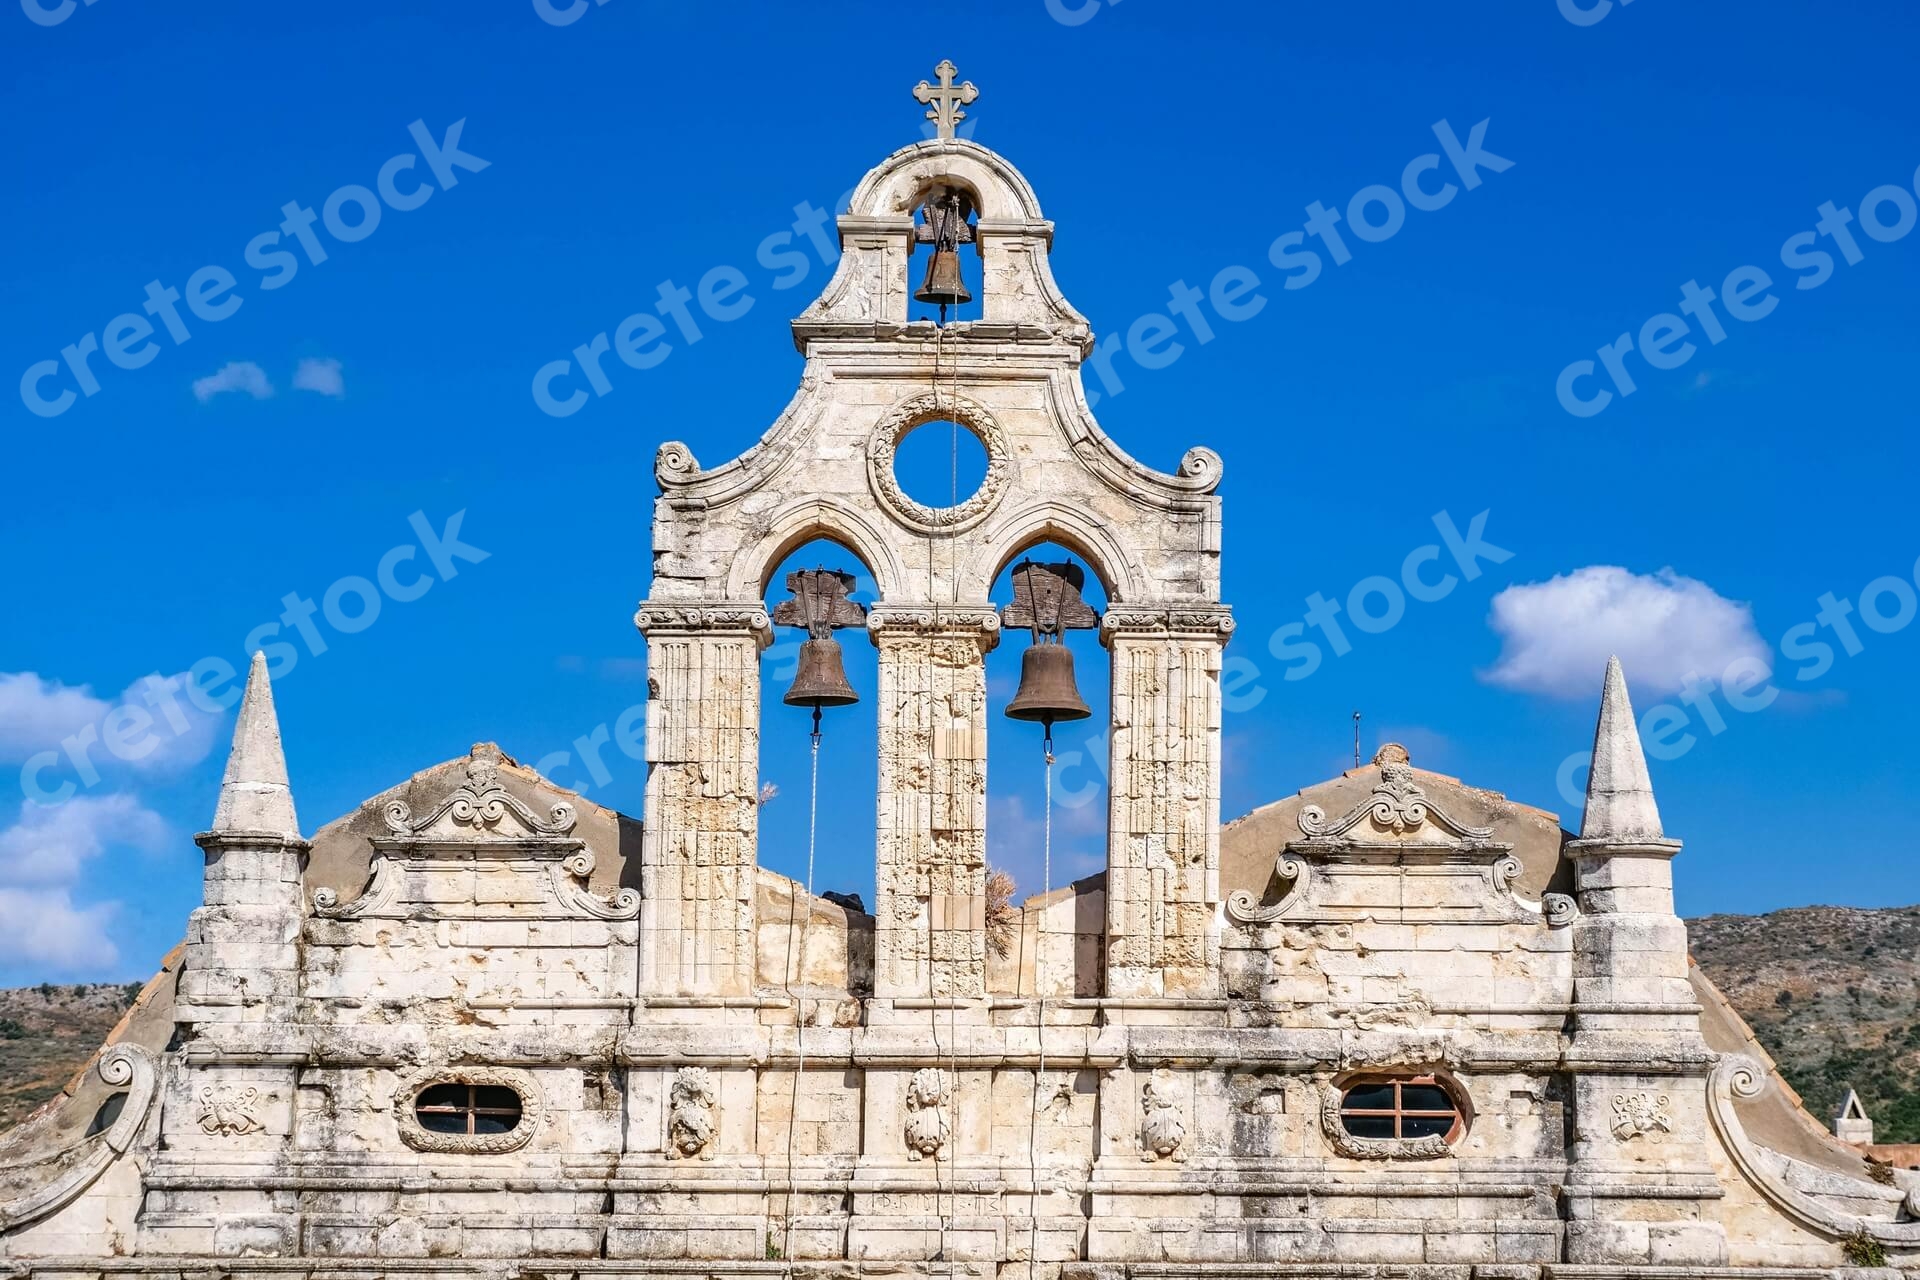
(51, 15)
(1375, 604)
(1374, 214)
(211, 292)
(1580, 15)
(1069, 13)
(1663, 339)
(639, 340)
(1887, 605)
(130, 732)
(559, 15)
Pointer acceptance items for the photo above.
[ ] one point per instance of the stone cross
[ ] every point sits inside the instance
(947, 98)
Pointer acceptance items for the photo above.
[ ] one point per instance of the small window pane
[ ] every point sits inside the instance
(1369, 1126)
(1369, 1097)
(497, 1098)
(444, 1095)
(484, 1123)
(1424, 1097)
(1425, 1126)
(442, 1121)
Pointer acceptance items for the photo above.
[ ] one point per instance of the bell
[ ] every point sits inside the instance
(943, 286)
(821, 679)
(1047, 692)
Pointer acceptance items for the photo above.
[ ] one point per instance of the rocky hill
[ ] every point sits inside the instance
(1832, 992)
(46, 1034)
(1834, 995)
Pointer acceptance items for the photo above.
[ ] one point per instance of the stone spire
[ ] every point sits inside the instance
(254, 795)
(1620, 805)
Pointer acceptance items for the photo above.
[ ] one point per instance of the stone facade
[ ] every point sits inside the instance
(1390, 1025)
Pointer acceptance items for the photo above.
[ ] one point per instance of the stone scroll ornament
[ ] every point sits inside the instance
(1161, 1128)
(690, 1120)
(927, 1128)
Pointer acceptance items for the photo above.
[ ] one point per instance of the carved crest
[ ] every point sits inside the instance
(1640, 1115)
(1397, 805)
(482, 804)
(691, 1125)
(230, 1109)
(1161, 1127)
(927, 1126)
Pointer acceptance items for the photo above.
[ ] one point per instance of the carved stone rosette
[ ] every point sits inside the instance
(915, 411)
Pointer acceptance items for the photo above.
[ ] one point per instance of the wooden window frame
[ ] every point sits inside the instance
(471, 1110)
(1398, 1111)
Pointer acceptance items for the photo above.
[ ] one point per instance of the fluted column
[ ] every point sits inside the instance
(698, 851)
(1163, 843)
(930, 839)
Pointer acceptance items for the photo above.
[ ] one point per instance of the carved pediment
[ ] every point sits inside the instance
(1397, 806)
(480, 808)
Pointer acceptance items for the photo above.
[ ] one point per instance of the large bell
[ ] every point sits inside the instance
(1047, 691)
(943, 286)
(821, 680)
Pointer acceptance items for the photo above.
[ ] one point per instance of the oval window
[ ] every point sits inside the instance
(1400, 1109)
(467, 1109)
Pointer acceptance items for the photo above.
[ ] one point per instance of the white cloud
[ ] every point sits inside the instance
(48, 844)
(45, 929)
(42, 856)
(162, 729)
(242, 375)
(320, 375)
(1556, 635)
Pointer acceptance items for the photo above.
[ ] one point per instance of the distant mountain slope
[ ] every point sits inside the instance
(47, 1033)
(1832, 992)
(1834, 995)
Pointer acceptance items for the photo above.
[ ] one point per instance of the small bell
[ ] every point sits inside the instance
(944, 225)
(944, 285)
(819, 605)
(821, 680)
(1047, 691)
(1046, 600)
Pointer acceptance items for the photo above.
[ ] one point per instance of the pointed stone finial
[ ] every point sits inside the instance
(1620, 803)
(254, 795)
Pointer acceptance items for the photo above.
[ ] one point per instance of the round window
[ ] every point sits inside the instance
(940, 464)
(1399, 1108)
(469, 1109)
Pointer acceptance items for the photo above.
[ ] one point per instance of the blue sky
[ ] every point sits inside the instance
(1693, 524)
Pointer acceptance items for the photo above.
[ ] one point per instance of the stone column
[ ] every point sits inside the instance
(699, 848)
(1163, 841)
(930, 905)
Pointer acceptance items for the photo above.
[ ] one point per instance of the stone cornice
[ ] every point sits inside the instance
(1169, 621)
(705, 618)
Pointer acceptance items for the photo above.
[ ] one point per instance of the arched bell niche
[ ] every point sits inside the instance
(1017, 802)
(843, 844)
(945, 259)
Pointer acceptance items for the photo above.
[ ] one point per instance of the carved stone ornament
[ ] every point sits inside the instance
(1161, 1127)
(1430, 1147)
(570, 878)
(230, 1110)
(927, 1127)
(420, 1138)
(482, 804)
(691, 1125)
(934, 406)
(1561, 910)
(1397, 805)
(1245, 909)
(1640, 1115)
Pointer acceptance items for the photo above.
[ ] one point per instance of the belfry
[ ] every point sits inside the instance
(1388, 1024)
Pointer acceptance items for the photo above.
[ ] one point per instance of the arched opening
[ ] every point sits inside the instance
(1054, 951)
(843, 833)
(944, 273)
